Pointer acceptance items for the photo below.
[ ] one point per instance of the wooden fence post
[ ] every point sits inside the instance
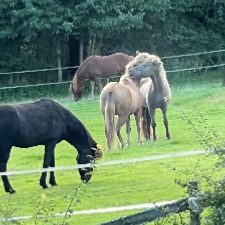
(193, 203)
(58, 52)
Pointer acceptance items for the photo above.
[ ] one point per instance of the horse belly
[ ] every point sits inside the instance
(34, 134)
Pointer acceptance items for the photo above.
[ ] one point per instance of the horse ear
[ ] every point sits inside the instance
(137, 53)
(157, 63)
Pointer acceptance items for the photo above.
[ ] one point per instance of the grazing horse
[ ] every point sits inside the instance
(122, 99)
(47, 123)
(159, 93)
(96, 67)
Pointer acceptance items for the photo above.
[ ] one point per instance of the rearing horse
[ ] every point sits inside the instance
(159, 93)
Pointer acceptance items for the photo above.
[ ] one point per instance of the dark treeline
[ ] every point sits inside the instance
(39, 34)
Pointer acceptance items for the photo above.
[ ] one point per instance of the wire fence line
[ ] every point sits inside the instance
(67, 82)
(100, 210)
(74, 67)
(106, 209)
(193, 54)
(40, 70)
(108, 163)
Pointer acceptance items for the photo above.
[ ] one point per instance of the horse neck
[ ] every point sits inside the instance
(78, 135)
(160, 83)
(79, 80)
(126, 80)
(137, 83)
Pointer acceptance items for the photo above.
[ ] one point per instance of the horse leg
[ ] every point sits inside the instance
(148, 123)
(121, 121)
(165, 121)
(128, 129)
(4, 157)
(92, 87)
(153, 123)
(144, 123)
(138, 125)
(49, 151)
(99, 83)
(52, 180)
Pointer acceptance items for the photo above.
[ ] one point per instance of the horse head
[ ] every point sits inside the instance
(76, 91)
(88, 156)
(77, 95)
(147, 68)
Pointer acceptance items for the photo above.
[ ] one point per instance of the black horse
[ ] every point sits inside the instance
(47, 123)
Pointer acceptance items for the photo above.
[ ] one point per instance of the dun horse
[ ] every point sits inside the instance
(145, 84)
(44, 123)
(159, 94)
(122, 99)
(96, 67)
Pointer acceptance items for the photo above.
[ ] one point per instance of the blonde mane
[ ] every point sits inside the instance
(140, 58)
(144, 56)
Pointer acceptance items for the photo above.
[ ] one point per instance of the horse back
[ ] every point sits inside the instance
(104, 66)
(127, 100)
(27, 125)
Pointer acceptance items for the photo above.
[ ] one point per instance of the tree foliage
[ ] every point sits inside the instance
(27, 18)
(163, 27)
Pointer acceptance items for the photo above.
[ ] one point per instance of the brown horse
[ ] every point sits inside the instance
(122, 99)
(96, 67)
(159, 93)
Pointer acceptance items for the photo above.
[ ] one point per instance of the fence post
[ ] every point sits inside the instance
(193, 203)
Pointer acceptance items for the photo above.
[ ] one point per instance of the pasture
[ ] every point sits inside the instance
(123, 184)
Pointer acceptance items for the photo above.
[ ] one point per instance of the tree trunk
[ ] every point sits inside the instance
(91, 46)
(81, 50)
(59, 64)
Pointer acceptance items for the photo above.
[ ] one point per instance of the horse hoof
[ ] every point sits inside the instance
(11, 191)
(44, 186)
(53, 184)
(123, 146)
(87, 177)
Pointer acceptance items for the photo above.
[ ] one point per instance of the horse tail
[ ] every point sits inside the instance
(110, 128)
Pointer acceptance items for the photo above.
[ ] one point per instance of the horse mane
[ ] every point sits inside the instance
(84, 62)
(125, 78)
(144, 56)
(140, 58)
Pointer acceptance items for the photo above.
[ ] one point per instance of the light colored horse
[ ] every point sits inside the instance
(122, 99)
(145, 84)
(159, 93)
(96, 67)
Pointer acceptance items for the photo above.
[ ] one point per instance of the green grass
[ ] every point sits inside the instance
(124, 184)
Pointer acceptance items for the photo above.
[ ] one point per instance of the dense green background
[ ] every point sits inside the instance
(32, 31)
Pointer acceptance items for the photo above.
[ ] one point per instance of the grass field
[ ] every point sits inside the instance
(199, 99)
